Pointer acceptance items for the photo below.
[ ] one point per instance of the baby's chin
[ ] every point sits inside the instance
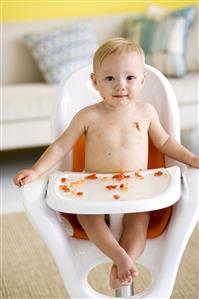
(123, 102)
(119, 102)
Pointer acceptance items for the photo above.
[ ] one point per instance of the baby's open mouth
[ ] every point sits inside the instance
(120, 96)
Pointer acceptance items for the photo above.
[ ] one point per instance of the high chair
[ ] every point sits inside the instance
(75, 257)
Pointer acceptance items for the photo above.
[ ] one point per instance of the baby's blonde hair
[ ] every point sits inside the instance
(116, 45)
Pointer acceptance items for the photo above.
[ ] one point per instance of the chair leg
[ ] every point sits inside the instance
(125, 291)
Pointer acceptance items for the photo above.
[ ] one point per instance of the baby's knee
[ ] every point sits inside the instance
(143, 219)
(139, 220)
(89, 220)
(83, 219)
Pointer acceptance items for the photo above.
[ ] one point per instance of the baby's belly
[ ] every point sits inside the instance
(116, 160)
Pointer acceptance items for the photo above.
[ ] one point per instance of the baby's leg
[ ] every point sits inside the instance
(133, 240)
(99, 233)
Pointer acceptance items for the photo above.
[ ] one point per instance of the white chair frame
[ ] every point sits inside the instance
(75, 258)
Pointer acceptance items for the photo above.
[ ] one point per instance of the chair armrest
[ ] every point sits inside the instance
(34, 201)
(43, 219)
(182, 223)
(190, 180)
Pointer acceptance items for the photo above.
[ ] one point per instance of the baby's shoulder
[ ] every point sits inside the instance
(88, 112)
(145, 107)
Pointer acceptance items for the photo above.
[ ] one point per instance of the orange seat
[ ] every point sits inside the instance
(158, 219)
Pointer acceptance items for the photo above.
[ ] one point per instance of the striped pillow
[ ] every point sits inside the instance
(164, 39)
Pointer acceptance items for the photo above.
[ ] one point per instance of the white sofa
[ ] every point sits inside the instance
(27, 100)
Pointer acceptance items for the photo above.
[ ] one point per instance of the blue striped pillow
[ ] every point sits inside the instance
(164, 40)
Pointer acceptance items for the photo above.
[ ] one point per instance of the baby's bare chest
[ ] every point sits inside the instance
(126, 132)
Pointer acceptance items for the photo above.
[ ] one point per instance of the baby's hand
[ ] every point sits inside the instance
(194, 161)
(25, 176)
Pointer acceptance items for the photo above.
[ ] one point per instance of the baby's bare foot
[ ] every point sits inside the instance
(125, 267)
(115, 282)
(123, 272)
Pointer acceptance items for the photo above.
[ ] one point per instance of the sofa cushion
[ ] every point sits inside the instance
(31, 101)
(186, 89)
(27, 101)
(192, 56)
(164, 38)
(60, 51)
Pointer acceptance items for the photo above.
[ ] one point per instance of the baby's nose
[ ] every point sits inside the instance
(120, 84)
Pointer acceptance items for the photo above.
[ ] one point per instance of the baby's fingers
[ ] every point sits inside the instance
(21, 178)
(27, 179)
(18, 178)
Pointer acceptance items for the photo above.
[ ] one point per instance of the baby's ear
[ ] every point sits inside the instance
(94, 80)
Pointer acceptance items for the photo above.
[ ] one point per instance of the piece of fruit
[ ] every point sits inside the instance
(105, 179)
(124, 187)
(63, 180)
(64, 188)
(158, 173)
(111, 187)
(115, 196)
(80, 193)
(91, 177)
(138, 175)
(120, 176)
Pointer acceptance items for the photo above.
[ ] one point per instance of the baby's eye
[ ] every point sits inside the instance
(109, 78)
(131, 77)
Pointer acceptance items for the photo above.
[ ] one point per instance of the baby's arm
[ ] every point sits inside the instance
(55, 152)
(168, 145)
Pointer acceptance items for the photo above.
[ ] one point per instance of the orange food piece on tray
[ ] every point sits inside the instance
(64, 188)
(76, 183)
(63, 180)
(80, 193)
(105, 179)
(91, 177)
(120, 176)
(158, 173)
(111, 187)
(124, 187)
(115, 196)
(138, 175)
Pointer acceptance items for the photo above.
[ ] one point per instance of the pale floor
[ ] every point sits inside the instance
(11, 162)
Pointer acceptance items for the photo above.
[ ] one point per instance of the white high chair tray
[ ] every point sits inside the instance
(75, 192)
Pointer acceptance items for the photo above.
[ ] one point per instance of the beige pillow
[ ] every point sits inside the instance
(60, 51)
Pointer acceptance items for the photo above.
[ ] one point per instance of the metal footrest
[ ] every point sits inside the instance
(125, 291)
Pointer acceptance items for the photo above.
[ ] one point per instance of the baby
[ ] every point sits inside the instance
(116, 132)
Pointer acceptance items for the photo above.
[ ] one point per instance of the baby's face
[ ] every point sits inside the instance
(120, 78)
